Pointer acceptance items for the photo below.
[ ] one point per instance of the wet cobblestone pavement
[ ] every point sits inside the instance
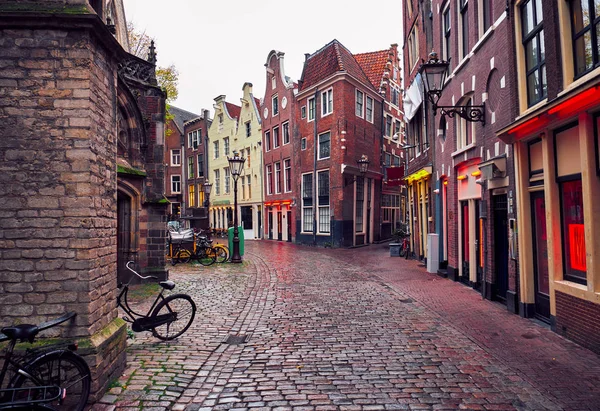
(355, 329)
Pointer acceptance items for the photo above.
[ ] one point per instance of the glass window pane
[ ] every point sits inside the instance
(583, 49)
(539, 17)
(527, 18)
(532, 87)
(544, 83)
(531, 54)
(598, 38)
(573, 229)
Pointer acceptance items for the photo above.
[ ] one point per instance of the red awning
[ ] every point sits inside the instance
(395, 176)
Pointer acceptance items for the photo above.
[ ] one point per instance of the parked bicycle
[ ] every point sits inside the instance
(168, 317)
(179, 253)
(219, 251)
(51, 378)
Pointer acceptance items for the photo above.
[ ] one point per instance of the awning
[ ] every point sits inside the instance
(395, 176)
(419, 175)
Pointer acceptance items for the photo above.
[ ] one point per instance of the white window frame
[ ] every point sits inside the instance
(278, 177)
(190, 167)
(175, 157)
(215, 149)
(359, 105)
(287, 171)
(275, 105)
(327, 102)
(369, 111)
(319, 146)
(248, 129)
(312, 109)
(285, 127)
(227, 180)
(276, 138)
(175, 184)
(303, 144)
(269, 174)
(217, 182)
(226, 147)
(304, 208)
(321, 207)
(268, 140)
(200, 164)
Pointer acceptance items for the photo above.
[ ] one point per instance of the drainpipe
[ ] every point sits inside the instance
(382, 162)
(314, 187)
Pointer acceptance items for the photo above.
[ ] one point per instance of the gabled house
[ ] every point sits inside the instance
(383, 70)
(174, 160)
(338, 205)
(278, 148)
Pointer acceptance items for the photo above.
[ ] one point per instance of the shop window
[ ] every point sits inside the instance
(536, 166)
(571, 204)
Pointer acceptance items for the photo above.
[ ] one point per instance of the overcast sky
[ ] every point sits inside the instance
(219, 45)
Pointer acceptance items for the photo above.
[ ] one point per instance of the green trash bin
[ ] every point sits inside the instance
(230, 238)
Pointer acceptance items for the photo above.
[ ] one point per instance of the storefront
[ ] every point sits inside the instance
(419, 210)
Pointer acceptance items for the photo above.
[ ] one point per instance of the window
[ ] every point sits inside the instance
(190, 168)
(324, 145)
(243, 187)
(248, 129)
(287, 171)
(395, 96)
(248, 158)
(217, 182)
(323, 201)
(269, 179)
(464, 131)
(220, 129)
(388, 126)
(486, 16)
(278, 177)
(390, 207)
(415, 132)
(194, 139)
(276, 137)
(226, 146)
(360, 204)
(303, 112)
(227, 180)
(175, 157)
(413, 47)
(286, 133)
(311, 109)
(176, 184)
(464, 27)
(360, 96)
(267, 141)
(307, 203)
(191, 195)
(573, 230)
(200, 165)
(273, 82)
(535, 55)
(303, 143)
(216, 149)
(327, 102)
(585, 21)
(369, 114)
(275, 105)
(447, 42)
(248, 180)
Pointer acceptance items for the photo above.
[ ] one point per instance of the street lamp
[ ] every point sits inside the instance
(433, 75)
(207, 187)
(236, 165)
(363, 167)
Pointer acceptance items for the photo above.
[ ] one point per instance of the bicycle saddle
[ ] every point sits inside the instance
(21, 332)
(167, 285)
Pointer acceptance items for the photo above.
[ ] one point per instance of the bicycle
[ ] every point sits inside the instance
(219, 251)
(167, 318)
(179, 253)
(405, 247)
(47, 379)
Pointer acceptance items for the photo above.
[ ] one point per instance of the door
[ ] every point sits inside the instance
(270, 223)
(279, 227)
(465, 255)
(540, 256)
(289, 226)
(123, 236)
(500, 248)
(479, 245)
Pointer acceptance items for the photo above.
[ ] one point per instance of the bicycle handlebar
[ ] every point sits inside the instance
(136, 273)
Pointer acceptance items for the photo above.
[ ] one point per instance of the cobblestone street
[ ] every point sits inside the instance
(348, 329)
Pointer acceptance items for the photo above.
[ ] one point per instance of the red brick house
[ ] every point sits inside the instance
(278, 111)
(338, 206)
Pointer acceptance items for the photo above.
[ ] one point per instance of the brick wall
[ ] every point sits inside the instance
(578, 320)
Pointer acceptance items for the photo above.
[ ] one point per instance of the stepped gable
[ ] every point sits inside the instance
(233, 110)
(373, 64)
(330, 59)
(180, 117)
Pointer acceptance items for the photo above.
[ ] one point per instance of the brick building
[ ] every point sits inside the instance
(175, 153)
(556, 139)
(195, 173)
(338, 205)
(278, 122)
(82, 171)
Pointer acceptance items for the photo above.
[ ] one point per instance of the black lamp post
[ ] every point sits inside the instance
(207, 187)
(236, 165)
(433, 74)
(363, 167)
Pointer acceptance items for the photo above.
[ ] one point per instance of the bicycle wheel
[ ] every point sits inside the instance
(182, 256)
(183, 309)
(63, 368)
(402, 250)
(220, 252)
(205, 258)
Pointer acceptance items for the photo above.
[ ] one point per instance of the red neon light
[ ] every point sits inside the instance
(578, 102)
(577, 247)
(528, 126)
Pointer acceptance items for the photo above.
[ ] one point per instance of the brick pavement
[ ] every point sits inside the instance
(349, 330)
